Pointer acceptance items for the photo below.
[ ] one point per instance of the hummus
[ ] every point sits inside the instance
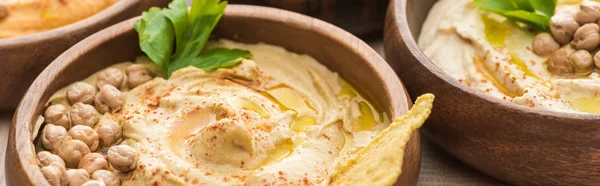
(32, 16)
(493, 55)
(279, 119)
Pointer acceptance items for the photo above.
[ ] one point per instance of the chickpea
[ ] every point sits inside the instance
(589, 12)
(587, 37)
(93, 162)
(57, 115)
(563, 27)
(77, 177)
(544, 44)
(559, 63)
(56, 174)
(109, 178)
(93, 183)
(45, 158)
(122, 157)
(597, 59)
(3, 10)
(52, 136)
(85, 134)
(72, 151)
(138, 74)
(110, 133)
(84, 114)
(110, 76)
(109, 99)
(81, 92)
(582, 62)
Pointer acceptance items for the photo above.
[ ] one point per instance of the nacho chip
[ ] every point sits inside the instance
(380, 162)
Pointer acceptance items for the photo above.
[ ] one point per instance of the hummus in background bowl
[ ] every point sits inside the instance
(495, 56)
(313, 106)
(24, 17)
(507, 139)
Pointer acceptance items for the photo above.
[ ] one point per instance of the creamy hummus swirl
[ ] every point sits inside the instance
(31, 16)
(494, 56)
(281, 118)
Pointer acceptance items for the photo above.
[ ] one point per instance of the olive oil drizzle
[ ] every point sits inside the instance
(289, 99)
(589, 105)
(497, 33)
(487, 73)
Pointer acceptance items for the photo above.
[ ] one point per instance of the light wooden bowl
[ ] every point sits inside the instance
(513, 143)
(23, 58)
(339, 50)
(359, 17)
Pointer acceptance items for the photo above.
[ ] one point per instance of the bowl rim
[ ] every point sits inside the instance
(25, 115)
(401, 21)
(69, 29)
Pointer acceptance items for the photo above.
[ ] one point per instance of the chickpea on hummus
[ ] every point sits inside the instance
(257, 123)
(24, 17)
(553, 70)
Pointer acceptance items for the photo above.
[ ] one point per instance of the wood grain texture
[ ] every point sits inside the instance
(5, 118)
(514, 143)
(359, 17)
(23, 58)
(338, 50)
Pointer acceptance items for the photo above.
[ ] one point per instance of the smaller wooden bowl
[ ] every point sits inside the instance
(514, 143)
(358, 17)
(340, 51)
(23, 58)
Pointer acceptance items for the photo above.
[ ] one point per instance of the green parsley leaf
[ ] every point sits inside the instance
(535, 13)
(156, 36)
(162, 30)
(177, 14)
(217, 58)
(523, 5)
(546, 7)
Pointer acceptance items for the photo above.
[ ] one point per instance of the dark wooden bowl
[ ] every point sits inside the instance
(339, 50)
(23, 58)
(513, 143)
(359, 17)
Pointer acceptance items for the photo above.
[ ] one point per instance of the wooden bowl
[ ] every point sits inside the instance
(513, 143)
(359, 17)
(23, 58)
(338, 50)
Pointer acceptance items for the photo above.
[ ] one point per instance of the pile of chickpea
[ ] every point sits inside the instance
(581, 31)
(71, 140)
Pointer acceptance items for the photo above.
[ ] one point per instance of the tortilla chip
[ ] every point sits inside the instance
(380, 162)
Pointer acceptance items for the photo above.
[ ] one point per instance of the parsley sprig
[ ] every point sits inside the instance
(534, 13)
(174, 38)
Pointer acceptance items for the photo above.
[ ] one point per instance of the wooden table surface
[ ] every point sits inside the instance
(437, 167)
